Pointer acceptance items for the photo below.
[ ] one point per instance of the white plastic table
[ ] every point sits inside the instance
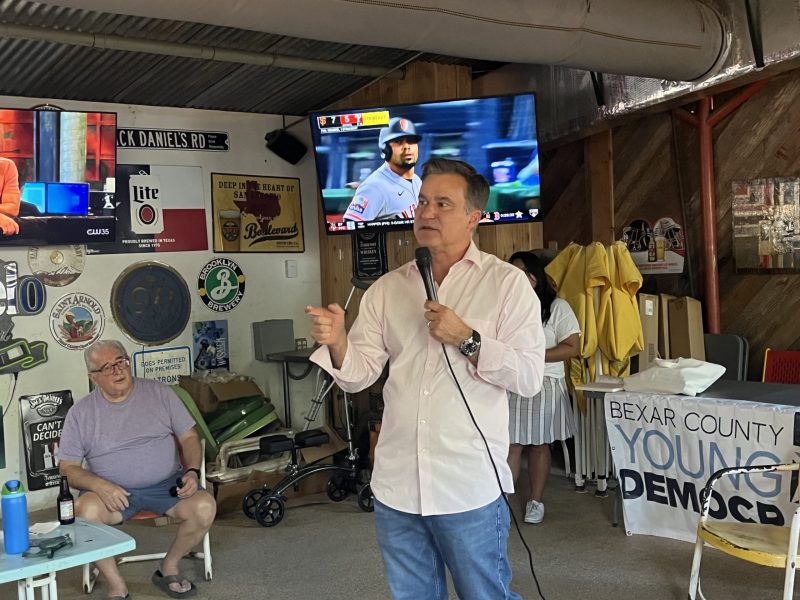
(92, 541)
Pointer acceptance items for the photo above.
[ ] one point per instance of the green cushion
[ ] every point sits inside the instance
(247, 425)
(230, 412)
(212, 447)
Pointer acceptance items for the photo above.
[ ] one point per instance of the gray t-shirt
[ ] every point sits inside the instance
(131, 443)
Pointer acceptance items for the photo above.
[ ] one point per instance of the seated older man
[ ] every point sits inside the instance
(125, 430)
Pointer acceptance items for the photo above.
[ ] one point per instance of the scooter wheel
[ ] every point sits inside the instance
(270, 510)
(366, 501)
(338, 487)
(250, 500)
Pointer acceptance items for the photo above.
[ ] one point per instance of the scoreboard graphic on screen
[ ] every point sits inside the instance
(352, 121)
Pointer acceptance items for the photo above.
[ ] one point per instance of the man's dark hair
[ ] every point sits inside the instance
(477, 186)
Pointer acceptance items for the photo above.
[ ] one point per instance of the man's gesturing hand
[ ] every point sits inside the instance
(328, 329)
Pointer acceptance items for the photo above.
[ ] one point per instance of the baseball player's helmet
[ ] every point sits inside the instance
(398, 128)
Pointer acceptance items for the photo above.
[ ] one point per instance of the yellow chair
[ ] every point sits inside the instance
(767, 545)
(90, 572)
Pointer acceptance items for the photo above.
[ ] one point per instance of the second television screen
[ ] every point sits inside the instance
(369, 161)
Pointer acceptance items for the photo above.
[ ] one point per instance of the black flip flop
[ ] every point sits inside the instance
(163, 581)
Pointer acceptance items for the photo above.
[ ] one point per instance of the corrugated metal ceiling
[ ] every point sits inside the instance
(53, 70)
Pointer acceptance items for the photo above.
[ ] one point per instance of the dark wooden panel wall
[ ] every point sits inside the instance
(760, 139)
(657, 173)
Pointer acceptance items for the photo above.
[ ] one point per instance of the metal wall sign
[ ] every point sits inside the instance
(77, 320)
(164, 364)
(369, 254)
(210, 343)
(19, 296)
(172, 139)
(17, 354)
(159, 209)
(150, 303)
(57, 266)
(42, 420)
(221, 284)
(144, 204)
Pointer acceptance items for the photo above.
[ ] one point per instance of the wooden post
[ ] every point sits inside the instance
(600, 186)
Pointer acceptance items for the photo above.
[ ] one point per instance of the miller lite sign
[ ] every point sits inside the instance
(147, 215)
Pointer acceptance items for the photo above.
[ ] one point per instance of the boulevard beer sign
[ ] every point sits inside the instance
(256, 214)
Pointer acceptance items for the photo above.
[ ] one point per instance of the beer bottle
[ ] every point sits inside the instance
(651, 246)
(66, 504)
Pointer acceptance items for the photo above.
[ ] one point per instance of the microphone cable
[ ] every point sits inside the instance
(496, 473)
(424, 262)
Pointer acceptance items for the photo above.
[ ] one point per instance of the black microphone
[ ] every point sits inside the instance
(423, 258)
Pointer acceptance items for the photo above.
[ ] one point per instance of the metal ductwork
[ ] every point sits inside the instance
(567, 102)
(211, 53)
(679, 40)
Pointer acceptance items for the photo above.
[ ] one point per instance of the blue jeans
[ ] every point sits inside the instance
(473, 545)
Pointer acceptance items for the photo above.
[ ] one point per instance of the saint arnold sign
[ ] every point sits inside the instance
(172, 139)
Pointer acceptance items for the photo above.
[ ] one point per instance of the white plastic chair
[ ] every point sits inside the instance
(768, 545)
(90, 572)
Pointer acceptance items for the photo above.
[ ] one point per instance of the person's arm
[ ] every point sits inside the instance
(367, 203)
(8, 226)
(447, 327)
(113, 496)
(192, 459)
(512, 357)
(564, 350)
(354, 360)
(9, 202)
(327, 329)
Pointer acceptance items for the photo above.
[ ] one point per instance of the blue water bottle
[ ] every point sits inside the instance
(15, 518)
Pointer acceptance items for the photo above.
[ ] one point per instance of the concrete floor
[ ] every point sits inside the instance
(328, 551)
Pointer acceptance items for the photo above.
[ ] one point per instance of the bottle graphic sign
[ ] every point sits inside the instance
(42, 419)
(655, 246)
(144, 201)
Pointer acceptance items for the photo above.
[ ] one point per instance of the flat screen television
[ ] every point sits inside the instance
(369, 160)
(66, 163)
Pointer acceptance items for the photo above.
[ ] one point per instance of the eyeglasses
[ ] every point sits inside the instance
(122, 363)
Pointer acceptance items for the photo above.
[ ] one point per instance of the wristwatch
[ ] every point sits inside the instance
(471, 345)
(197, 471)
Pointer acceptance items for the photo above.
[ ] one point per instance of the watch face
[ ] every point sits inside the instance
(469, 347)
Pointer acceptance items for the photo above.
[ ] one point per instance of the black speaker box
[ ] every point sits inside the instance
(285, 145)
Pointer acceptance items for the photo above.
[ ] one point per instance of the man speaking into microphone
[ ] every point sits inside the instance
(437, 500)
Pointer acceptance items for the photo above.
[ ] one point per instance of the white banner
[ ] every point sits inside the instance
(166, 365)
(665, 449)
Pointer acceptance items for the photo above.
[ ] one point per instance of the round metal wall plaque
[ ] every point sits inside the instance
(77, 320)
(57, 266)
(151, 303)
(221, 284)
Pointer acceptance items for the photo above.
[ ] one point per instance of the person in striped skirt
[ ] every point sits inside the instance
(534, 423)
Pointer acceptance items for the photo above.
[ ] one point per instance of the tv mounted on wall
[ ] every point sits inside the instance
(369, 160)
(66, 161)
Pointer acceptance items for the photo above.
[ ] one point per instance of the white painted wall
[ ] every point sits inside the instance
(268, 295)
